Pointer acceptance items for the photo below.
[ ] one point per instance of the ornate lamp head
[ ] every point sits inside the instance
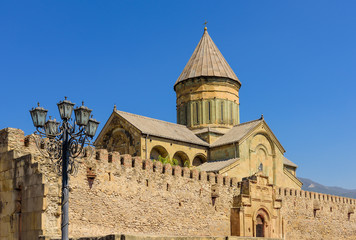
(82, 115)
(65, 108)
(38, 115)
(51, 127)
(91, 127)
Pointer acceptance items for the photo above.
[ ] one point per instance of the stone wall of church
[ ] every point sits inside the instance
(111, 193)
(310, 215)
(114, 193)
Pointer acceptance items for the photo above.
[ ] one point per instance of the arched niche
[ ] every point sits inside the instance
(182, 157)
(119, 141)
(199, 159)
(157, 151)
(261, 139)
(262, 223)
(262, 155)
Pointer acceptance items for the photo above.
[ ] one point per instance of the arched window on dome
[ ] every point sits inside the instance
(231, 114)
(222, 111)
(197, 111)
(209, 112)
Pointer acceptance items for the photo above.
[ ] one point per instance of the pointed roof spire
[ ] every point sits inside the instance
(208, 61)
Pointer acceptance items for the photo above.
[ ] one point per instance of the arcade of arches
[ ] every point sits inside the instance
(182, 157)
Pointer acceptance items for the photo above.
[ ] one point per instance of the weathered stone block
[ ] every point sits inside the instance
(194, 173)
(177, 171)
(101, 154)
(115, 157)
(203, 176)
(157, 167)
(126, 160)
(147, 164)
(186, 172)
(219, 179)
(167, 169)
(226, 180)
(211, 178)
(137, 163)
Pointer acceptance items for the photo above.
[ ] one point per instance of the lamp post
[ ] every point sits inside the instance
(62, 142)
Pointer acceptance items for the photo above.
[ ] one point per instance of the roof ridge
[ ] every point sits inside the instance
(157, 120)
(223, 160)
(256, 120)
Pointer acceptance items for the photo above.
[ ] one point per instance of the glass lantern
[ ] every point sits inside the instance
(38, 115)
(91, 127)
(82, 115)
(65, 108)
(51, 127)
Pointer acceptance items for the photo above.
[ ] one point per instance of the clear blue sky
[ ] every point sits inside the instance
(296, 61)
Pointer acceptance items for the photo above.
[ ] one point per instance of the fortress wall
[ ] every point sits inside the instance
(310, 215)
(114, 193)
(29, 189)
(138, 196)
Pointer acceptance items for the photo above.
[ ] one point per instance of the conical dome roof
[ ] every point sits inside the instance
(207, 61)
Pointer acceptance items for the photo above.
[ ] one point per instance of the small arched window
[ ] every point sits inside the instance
(209, 112)
(231, 115)
(197, 111)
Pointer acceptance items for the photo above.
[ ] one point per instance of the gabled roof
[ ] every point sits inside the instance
(215, 166)
(207, 60)
(289, 162)
(236, 133)
(162, 129)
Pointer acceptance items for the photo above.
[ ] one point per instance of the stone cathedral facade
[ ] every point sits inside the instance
(208, 134)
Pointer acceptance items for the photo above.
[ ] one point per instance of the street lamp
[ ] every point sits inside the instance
(63, 142)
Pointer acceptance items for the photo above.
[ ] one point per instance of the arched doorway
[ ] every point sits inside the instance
(260, 231)
(158, 151)
(181, 158)
(261, 224)
(199, 160)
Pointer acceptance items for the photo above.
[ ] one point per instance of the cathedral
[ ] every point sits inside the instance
(233, 178)
(208, 135)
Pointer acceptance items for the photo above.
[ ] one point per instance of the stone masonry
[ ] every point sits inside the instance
(112, 194)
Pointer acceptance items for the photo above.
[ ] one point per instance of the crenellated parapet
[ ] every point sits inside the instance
(139, 164)
(14, 139)
(321, 216)
(288, 192)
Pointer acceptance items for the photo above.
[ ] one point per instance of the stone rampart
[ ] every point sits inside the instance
(138, 237)
(311, 215)
(127, 194)
(113, 193)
